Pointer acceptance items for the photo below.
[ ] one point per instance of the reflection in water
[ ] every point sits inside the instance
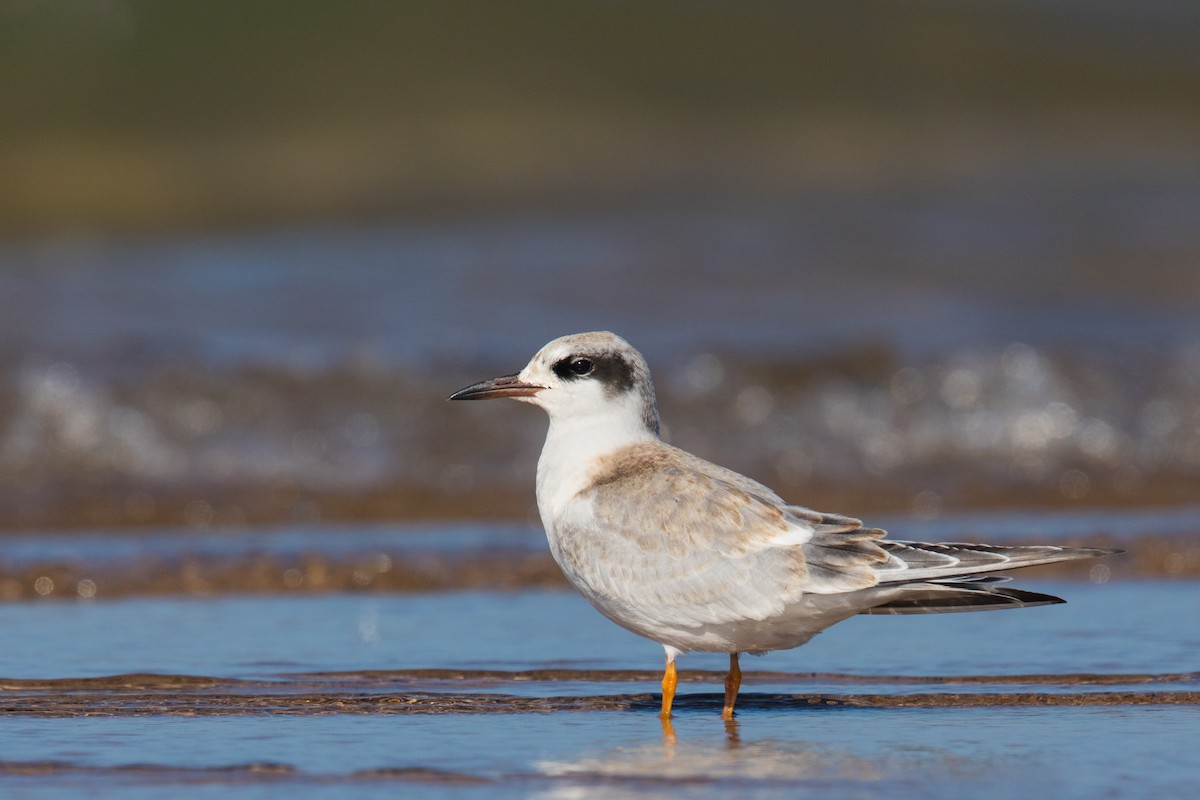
(694, 758)
(669, 736)
(733, 735)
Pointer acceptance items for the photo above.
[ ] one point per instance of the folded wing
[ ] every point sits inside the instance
(688, 541)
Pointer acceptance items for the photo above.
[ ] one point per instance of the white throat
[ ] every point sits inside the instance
(573, 445)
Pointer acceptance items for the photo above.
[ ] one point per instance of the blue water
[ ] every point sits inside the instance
(1121, 627)
(106, 546)
(1116, 628)
(984, 753)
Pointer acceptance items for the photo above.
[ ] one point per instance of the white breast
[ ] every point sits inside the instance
(568, 461)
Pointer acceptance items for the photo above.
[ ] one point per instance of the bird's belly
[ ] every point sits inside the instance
(793, 626)
(618, 607)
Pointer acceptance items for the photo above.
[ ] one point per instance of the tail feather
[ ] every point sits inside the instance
(972, 595)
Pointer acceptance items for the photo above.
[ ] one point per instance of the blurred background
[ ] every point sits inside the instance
(910, 258)
(934, 263)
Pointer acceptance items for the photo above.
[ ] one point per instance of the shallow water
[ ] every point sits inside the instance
(775, 748)
(1116, 627)
(332, 694)
(897, 753)
(99, 547)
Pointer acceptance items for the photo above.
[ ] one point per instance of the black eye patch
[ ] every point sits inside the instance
(610, 369)
(573, 367)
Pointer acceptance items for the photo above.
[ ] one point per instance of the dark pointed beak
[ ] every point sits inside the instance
(504, 386)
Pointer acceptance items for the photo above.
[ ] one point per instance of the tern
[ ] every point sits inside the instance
(698, 557)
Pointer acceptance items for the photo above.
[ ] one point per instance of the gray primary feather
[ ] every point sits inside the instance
(911, 561)
(954, 578)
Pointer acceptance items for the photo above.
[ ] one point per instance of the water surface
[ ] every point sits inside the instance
(529, 692)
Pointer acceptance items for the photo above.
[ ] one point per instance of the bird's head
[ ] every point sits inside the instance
(584, 378)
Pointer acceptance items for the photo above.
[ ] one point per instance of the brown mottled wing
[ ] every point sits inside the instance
(692, 543)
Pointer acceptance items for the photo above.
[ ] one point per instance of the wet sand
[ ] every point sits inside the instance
(238, 774)
(364, 693)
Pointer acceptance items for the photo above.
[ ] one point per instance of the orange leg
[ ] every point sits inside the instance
(733, 682)
(669, 682)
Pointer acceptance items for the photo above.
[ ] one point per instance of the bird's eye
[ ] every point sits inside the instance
(582, 366)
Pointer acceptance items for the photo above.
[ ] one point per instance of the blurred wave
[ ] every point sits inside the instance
(218, 380)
